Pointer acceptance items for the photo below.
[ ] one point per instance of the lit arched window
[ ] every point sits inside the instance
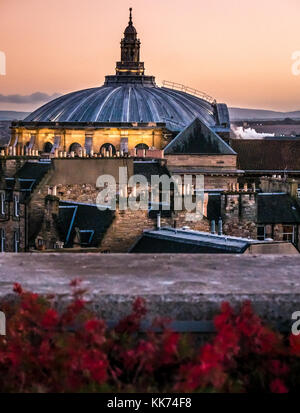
(75, 147)
(106, 148)
(141, 146)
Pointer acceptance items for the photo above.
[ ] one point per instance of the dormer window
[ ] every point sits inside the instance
(16, 205)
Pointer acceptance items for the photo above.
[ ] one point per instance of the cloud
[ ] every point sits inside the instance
(36, 97)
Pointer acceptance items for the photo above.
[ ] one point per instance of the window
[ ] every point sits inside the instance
(2, 203)
(2, 239)
(16, 205)
(288, 233)
(261, 232)
(40, 243)
(107, 148)
(141, 146)
(16, 240)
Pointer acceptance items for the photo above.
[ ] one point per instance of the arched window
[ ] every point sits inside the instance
(47, 147)
(141, 146)
(75, 147)
(106, 148)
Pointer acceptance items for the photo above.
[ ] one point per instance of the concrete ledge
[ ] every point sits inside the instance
(184, 287)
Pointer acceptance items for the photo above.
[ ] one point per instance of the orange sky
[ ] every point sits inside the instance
(238, 51)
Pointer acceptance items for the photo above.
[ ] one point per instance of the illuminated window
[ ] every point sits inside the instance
(107, 147)
(288, 233)
(142, 146)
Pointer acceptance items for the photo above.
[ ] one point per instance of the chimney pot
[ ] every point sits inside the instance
(213, 226)
(158, 221)
(220, 227)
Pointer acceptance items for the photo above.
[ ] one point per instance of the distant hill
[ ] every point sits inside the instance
(260, 114)
(236, 114)
(12, 115)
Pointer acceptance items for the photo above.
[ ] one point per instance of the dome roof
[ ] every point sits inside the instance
(127, 103)
(130, 29)
(131, 96)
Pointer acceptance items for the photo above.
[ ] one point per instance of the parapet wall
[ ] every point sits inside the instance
(87, 170)
(186, 288)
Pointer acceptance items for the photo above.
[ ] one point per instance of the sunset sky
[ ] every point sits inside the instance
(238, 51)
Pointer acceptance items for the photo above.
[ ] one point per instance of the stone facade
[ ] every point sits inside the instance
(129, 225)
(43, 138)
(218, 170)
(13, 222)
(239, 213)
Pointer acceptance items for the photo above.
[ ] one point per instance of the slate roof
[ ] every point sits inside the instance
(170, 240)
(84, 220)
(33, 170)
(4, 133)
(267, 154)
(28, 176)
(277, 209)
(198, 138)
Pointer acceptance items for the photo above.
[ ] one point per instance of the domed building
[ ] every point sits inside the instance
(129, 111)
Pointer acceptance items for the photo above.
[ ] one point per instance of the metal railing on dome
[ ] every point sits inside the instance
(190, 90)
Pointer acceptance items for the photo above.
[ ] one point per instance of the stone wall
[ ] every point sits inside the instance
(85, 193)
(10, 224)
(129, 225)
(10, 165)
(183, 287)
(212, 161)
(48, 236)
(80, 171)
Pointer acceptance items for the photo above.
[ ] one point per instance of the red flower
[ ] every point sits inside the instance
(170, 344)
(50, 318)
(209, 356)
(95, 362)
(278, 386)
(77, 305)
(93, 325)
(17, 288)
(139, 306)
(278, 368)
(226, 315)
(75, 282)
(295, 344)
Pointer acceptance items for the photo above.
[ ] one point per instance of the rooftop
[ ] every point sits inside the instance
(267, 154)
(198, 138)
(172, 240)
